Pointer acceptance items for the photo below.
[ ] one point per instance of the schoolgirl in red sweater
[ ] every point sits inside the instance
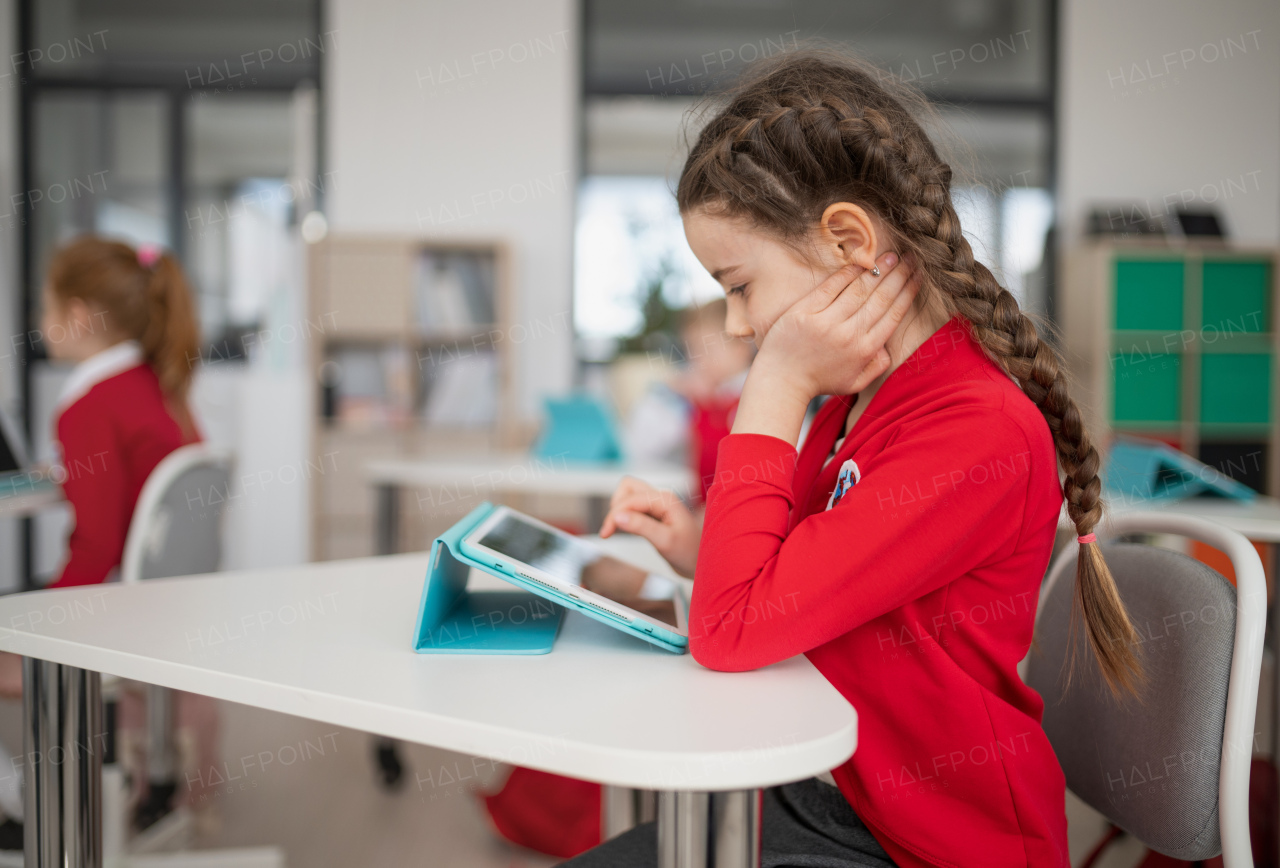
(124, 317)
(902, 548)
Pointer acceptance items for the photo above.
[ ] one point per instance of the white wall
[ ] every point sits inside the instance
(460, 120)
(1165, 101)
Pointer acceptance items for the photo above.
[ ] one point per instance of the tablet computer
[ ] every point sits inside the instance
(581, 575)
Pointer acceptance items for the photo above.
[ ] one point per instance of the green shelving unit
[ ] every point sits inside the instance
(1179, 343)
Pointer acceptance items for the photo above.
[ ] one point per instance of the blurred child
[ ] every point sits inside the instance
(125, 318)
(691, 414)
(718, 364)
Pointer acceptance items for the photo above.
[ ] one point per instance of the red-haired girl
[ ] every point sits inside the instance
(125, 318)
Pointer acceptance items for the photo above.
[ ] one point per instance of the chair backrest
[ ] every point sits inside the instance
(177, 524)
(1171, 766)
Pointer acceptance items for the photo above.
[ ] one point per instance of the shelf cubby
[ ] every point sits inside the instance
(1178, 342)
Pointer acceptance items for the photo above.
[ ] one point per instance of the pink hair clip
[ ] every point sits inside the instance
(148, 255)
(1087, 538)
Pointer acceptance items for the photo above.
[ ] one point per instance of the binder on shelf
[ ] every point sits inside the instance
(463, 391)
(453, 291)
(454, 620)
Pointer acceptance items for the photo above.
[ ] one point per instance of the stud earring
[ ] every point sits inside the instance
(875, 271)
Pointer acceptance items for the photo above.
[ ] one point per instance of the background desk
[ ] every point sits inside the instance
(25, 503)
(474, 478)
(332, 642)
(28, 503)
(1258, 519)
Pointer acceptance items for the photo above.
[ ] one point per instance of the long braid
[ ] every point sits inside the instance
(808, 130)
(1011, 337)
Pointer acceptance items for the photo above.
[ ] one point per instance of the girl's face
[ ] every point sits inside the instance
(71, 331)
(53, 321)
(761, 276)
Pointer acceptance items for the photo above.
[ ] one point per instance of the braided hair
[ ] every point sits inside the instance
(810, 128)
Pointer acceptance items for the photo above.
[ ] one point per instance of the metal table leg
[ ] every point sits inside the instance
(386, 524)
(622, 809)
(63, 739)
(386, 541)
(709, 830)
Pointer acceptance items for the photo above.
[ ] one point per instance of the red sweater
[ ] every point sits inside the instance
(709, 423)
(914, 595)
(112, 437)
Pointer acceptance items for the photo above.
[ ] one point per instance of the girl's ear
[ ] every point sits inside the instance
(847, 232)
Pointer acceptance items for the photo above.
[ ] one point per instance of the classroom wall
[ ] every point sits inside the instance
(1166, 101)
(460, 120)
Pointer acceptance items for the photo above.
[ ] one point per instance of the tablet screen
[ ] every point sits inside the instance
(579, 563)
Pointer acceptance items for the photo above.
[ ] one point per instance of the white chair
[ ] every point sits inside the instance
(176, 530)
(1172, 766)
(177, 523)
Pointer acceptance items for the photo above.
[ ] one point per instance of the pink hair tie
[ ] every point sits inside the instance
(148, 255)
(1087, 538)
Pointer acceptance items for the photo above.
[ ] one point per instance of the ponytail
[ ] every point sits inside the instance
(170, 341)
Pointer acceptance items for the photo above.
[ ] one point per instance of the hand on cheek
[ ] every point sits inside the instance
(830, 342)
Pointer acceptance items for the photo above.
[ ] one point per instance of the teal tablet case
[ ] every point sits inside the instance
(1148, 469)
(453, 620)
(579, 428)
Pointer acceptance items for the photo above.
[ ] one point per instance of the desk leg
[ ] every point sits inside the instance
(709, 830)
(622, 809)
(386, 525)
(63, 739)
(386, 541)
(597, 509)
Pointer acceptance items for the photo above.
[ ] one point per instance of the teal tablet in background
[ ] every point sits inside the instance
(579, 428)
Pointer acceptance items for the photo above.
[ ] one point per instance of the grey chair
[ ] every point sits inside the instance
(176, 530)
(1172, 766)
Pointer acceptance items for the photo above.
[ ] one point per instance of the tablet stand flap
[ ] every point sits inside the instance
(453, 620)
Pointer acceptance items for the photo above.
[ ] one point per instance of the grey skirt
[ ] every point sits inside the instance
(808, 824)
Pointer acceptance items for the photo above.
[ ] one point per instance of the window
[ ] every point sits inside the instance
(161, 125)
(986, 65)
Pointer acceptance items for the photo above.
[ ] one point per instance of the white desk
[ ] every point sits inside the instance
(470, 479)
(28, 503)
(1258, 519)
(332, 642)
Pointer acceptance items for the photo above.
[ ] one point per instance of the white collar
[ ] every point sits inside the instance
(103, 365)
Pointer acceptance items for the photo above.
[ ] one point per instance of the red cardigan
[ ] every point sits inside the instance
(112, 437)
(914, 595)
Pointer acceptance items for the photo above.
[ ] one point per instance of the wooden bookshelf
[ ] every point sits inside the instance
(1178, 342)
(390, 339)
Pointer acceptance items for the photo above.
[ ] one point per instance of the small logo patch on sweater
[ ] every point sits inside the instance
(848, 477)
